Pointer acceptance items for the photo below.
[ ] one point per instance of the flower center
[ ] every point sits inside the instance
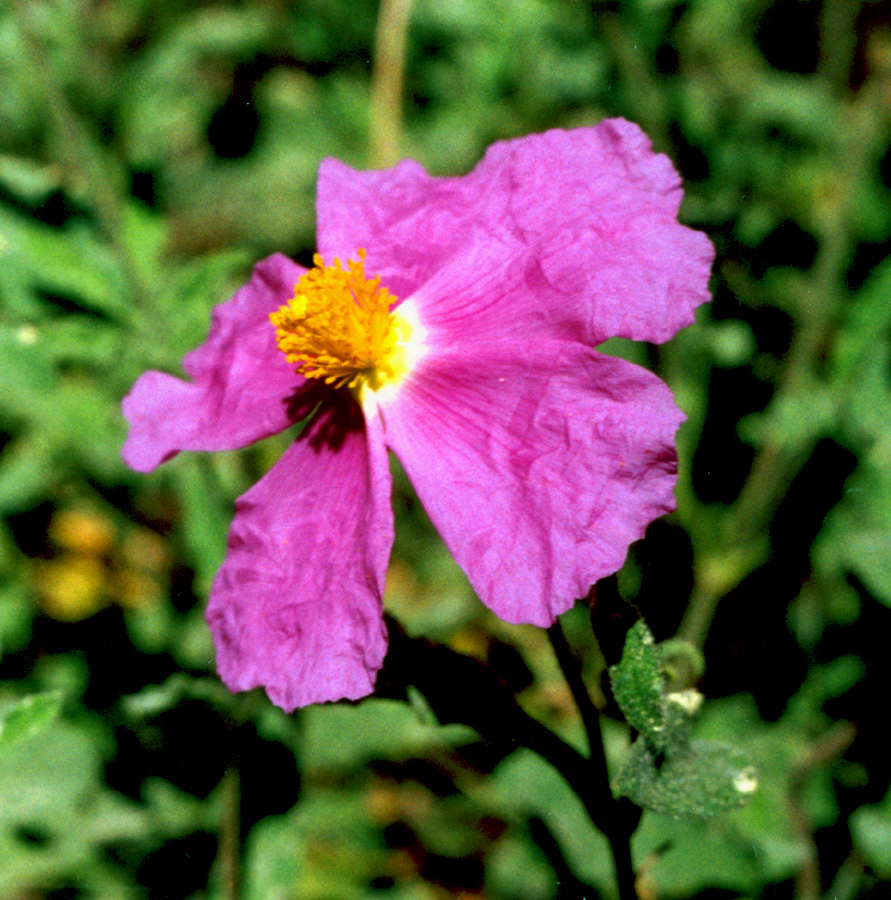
(340, 327)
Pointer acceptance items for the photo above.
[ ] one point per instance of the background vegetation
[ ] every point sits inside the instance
(150, 152)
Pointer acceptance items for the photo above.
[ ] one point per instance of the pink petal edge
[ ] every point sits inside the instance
(241, 382)
(595, 207)
(538, 464)
(296, 606)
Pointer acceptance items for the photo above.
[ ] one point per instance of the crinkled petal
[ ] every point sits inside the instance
(600, 209)
(487, 291)
(407, 221)
(539, 464)
(596, 208)
(296, 606)
(241, 382)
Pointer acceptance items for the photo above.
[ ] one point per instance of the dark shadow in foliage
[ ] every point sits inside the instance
(192, 745)
(665, 561)
(758, 654)
(427, 772)
(188, 745)
(144, 187)
(233, 127)
(867, 256)
(510, 666)
(787, 245)
(270, 781)
(724, 894)
(55, 208)
(29, 529)
(68, 892)
(33, 835)
(722, 460)
(103, 642)
(789, 35)
(483, 756)
(869, 636)
(179, 868)
(455, 874)
(692, 161)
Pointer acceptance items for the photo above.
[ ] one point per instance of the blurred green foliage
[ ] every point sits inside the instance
(150, 151)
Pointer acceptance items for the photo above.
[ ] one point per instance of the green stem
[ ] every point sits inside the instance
(572, 672)
(229, 852)
(611, 819)
(387, 80)
(462, 689)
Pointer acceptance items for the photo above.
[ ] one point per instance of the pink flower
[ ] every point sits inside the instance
(469, 355)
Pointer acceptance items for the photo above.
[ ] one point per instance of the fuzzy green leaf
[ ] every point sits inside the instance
(638, 684)
(703, 780)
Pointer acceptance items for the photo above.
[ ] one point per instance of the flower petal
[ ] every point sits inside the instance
(407, 221)
(488, 290)
(600, 210)
(296, 606)
(241, 382)
(538, 464)
(596, 208)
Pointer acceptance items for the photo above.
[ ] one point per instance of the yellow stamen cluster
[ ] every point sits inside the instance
(339, 328)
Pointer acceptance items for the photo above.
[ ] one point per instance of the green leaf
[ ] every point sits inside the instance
(71, 262)
(704, 779)
(26, 471)
(339, 736)
(638, 684)
(26, 179)
(17, 606)
(857, 534)
(684, 857)
(856, 537)
(767, 824)
(155, 699)
(530, 787)
(207, 515)
(28, 717)
(871, 830)
(50, 784)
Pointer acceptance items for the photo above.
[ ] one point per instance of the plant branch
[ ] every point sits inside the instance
(848, 879)
(387, 80)
(572, 672)
(617, 828)
(465, 690)
(229, 851)
(825, 749)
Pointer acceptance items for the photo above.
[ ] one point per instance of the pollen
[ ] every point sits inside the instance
(344, 329)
